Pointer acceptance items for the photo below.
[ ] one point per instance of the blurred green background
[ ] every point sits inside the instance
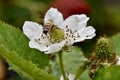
(15, 12)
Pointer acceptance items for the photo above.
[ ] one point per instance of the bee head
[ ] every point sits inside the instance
(46, 29)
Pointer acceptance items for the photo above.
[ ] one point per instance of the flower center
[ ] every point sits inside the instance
(56, 34)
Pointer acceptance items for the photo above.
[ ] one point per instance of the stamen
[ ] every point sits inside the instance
(72, 36)
(66, 26)
(38, 39)
(66, 41)
(42, 36)
(67, 34)
(70, 31)
(75, 30)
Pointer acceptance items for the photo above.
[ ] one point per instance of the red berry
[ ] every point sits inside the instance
(70, 7)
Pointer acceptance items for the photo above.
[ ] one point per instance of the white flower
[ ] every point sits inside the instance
(74, 30)
(69, 76)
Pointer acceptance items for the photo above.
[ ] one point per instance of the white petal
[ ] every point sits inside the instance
(73, 25)
(86, 33)
(54, 15)
(55, 47)
(32, 29)
(75, 29)
(75, 22)
(89, 32)
(81, 38)
(69, 41)
(36, 45)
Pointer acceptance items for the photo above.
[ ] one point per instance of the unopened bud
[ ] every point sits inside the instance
(104, 49)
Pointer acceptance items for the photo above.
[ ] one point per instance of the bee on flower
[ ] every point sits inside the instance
(56, 32)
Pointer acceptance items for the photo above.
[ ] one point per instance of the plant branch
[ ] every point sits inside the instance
(61, 65)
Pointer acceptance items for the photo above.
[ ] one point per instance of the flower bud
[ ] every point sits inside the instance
(104, 49)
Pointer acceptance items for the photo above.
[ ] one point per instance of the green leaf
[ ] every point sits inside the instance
(109, 73)
(14, 40)
(80, 71)
(116, 43)
(85, 75)
(29, 63)
(25, 68)
(72, 59)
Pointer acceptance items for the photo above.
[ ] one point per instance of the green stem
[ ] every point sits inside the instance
(61, 65)
(80, 70)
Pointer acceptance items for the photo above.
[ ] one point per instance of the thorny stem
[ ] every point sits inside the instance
(61, 65)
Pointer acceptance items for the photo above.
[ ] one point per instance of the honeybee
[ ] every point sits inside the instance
(48, 27)
(55, 33)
